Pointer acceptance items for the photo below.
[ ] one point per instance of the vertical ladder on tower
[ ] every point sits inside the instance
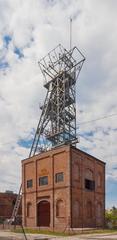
(16, 207)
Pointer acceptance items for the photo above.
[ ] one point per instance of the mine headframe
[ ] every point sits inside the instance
(57, 123)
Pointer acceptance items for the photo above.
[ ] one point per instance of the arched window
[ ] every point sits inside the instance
(89, 209)
(89, 182)
(60, 208)
(89, 174)
(13, 202)
(99, 210)
(76, 209)
(99, 179)
(29, 209)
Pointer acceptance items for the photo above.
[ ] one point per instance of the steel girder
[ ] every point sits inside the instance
(57, 123)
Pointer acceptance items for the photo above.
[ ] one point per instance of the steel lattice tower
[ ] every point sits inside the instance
(57, 123)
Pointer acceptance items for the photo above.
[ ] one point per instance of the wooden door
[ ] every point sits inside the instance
(43, 214)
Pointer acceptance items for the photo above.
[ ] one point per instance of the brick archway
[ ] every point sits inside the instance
(43, 214)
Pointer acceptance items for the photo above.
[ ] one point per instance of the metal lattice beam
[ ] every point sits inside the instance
(57, 124)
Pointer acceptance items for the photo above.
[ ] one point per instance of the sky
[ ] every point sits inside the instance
(28, 30)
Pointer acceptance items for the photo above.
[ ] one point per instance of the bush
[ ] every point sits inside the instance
(111, 217)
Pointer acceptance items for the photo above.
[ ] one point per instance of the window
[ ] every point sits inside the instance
(76, 172)
(76, 209)
(89, 174)
(99, 214)
(89, 209)
(13, 202)
(29, 183)
(43, 180)
(99, 210)
(89, 184)
(29, 209)
(99, 180)
(59, 177)
(60, 208)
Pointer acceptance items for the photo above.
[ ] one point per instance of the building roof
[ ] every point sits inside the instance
(65, 146)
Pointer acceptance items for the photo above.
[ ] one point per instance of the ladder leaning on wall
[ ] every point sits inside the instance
(13, 218)
(16, 206)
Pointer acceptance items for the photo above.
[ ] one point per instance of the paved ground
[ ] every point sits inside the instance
(6, 235)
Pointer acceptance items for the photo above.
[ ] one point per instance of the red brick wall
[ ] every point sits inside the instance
(47, 164)
(69, 198)
(84, 164)
(7, 201)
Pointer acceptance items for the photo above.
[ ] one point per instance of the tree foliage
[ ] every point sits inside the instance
(111, 217)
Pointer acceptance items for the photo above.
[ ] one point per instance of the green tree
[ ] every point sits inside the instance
(111, 217)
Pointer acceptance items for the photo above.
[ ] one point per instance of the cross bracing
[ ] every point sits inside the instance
(57, 123)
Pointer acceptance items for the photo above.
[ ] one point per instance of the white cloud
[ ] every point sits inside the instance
(36, 27)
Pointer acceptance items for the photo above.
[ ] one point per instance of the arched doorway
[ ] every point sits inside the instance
(43, 214)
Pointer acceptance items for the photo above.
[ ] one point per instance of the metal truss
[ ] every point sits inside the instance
(57, 123)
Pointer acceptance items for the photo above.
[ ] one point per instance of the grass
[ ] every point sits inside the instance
(47, 232)
(99, 231)
(36, 231)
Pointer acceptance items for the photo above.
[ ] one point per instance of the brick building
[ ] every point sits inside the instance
(7, 202)
(63, 187)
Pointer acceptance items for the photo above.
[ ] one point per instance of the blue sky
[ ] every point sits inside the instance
(28, 30)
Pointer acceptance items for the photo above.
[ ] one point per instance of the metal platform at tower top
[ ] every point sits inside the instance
(57, 123)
